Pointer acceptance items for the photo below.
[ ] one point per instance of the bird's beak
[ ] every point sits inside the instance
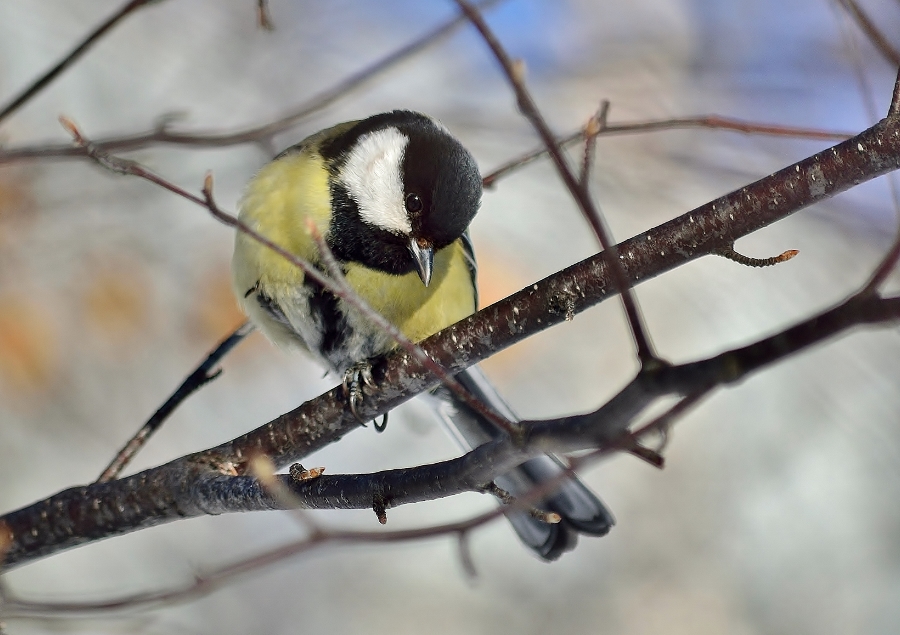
(424, 258)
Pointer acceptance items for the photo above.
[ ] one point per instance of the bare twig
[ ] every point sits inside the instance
(82, 48)
(255, 134)
(133, 168)
(514, 73)
(867, 26)
(894, 110)
(712, 122)
(508, 499)
(594, 127)
(731, 254)
(204, 584)
(202, 375)
(162, 135)
(263, 18)
(465, 555)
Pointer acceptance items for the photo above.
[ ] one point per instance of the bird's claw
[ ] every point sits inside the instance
(355, 378)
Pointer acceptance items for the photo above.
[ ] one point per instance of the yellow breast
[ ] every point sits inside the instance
(278, 203)
(417, 310)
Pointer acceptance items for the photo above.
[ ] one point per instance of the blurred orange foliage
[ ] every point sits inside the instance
(497, 279)
(216, 312)
(117, 303)
(29, 352)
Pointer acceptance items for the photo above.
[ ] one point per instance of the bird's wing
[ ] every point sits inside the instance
(469, 253)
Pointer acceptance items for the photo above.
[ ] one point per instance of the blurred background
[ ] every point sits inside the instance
(777, 511)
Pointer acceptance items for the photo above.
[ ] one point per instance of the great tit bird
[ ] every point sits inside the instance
(393, 196)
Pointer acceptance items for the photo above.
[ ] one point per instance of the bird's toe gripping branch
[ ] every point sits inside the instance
(356, 378)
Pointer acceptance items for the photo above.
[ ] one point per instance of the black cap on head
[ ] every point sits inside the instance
(441, 191)
(439, 170)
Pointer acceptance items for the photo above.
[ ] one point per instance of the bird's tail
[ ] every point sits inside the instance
(580, 509)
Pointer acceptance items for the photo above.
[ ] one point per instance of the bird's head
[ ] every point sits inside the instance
(402, 187)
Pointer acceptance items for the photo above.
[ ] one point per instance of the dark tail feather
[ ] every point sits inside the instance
(581, 510)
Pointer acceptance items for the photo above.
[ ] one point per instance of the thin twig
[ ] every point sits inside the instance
(712, 122)
(133, 168)
(254, 134)
(263, 18)
(508, 499)
(201, 376)
(662, 423)
(594, 127)
(894, 110)
(44, 80)
(749, 261)
(206, 583)
(161, 134)
(465, 555)
(867, 26)
(514, 73)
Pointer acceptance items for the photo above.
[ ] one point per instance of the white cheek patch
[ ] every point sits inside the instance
(372, 177)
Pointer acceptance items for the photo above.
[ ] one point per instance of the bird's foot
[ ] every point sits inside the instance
(355, 379)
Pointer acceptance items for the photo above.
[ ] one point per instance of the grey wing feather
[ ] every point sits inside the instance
(469, 251)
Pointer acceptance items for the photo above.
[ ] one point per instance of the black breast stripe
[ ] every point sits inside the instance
(323, 308)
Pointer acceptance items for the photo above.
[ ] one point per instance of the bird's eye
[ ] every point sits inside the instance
(413, 203)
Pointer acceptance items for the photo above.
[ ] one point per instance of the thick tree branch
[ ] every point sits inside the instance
(205, 482)
(184, 488)
(319, 537)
